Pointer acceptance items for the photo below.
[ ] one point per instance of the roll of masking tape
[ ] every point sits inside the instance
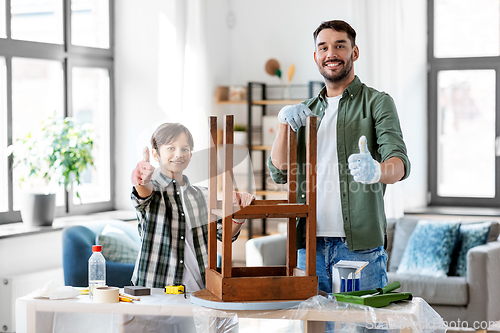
(106, 295)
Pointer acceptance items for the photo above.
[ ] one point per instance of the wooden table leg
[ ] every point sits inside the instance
(314, 326)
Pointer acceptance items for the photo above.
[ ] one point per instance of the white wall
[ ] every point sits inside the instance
(263, 29)
(19, 255)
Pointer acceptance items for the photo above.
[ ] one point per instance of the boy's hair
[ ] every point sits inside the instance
(337, 25)
(168, 133)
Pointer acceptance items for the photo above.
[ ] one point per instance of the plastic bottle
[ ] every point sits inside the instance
(97, 269)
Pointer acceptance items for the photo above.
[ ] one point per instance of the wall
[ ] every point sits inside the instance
(237, 53)
(282, 29)
(144, 67)
(19, 255)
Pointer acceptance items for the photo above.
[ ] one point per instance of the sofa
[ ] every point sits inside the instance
(474, 297)
(468, 299)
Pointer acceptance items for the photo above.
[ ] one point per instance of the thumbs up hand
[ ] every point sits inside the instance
(143, 171)
(362, 166)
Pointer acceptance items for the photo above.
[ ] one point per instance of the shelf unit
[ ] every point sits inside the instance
(261, 96)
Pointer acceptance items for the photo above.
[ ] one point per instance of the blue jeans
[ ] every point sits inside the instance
(330, 250)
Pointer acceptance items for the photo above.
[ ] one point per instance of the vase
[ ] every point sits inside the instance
(240, 138)
(38, 210)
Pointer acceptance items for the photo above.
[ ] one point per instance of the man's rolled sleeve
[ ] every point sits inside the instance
(277, 175)
(406, 163)
(389, 134)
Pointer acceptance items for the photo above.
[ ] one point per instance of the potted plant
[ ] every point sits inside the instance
(55, 153)
(240, 134)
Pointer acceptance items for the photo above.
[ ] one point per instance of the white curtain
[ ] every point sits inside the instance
(182, 77)
(381, 29)
(182, 74)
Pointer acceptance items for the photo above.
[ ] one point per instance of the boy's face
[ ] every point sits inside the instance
(174, 157)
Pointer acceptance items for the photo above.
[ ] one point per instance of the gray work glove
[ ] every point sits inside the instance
(294, 115)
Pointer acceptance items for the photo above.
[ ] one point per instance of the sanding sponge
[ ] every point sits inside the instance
(137, 290)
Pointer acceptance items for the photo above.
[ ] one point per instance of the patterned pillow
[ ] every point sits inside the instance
(117, 246)
(429, 249)
(469, 236)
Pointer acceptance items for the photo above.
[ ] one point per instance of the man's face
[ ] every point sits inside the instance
(174, 157)
(335, 55)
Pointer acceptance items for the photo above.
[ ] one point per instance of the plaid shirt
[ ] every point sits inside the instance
(162, 227)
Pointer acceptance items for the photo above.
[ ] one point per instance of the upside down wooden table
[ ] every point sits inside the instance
(158, 311)
(230, 284)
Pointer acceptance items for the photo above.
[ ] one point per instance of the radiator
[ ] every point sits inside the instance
(17, 286)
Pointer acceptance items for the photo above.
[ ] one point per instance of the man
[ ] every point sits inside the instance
(360, 150)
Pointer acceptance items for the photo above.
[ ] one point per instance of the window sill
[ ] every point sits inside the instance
(20, 229)
(462, 211)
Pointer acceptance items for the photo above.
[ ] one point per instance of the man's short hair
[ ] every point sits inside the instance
(169, 132)
(337, 25)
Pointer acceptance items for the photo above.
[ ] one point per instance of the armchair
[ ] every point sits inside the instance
(77, 249)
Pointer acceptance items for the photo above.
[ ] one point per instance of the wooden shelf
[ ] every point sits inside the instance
(232, 102)
(222, 96)
(262, 147)
(277, 101)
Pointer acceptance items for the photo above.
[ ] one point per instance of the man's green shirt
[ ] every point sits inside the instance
(362, 111)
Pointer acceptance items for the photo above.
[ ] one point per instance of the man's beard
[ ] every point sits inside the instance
(339, 76)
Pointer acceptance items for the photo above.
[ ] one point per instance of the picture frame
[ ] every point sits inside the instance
(270, 126)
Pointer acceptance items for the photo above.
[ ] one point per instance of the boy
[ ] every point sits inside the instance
(172, 214)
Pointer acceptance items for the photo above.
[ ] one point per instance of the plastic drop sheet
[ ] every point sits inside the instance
(173, 313)
(416, 316)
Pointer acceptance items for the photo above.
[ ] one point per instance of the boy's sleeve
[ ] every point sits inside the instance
(141, 206)
(219, 231)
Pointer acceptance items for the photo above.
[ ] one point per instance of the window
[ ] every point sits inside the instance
(37, 21)
(464, 122)
(56, 59)
(3, 32)
(91, 104)
(4, 195)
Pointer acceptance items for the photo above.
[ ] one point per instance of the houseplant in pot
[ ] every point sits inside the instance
(240, 134)
(54, 153)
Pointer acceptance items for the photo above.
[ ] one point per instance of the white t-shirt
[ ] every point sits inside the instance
(191, 278)
(329, 209)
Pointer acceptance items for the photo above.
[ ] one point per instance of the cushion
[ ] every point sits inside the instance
(402, 232)
(391, 225)
(469, 236)
(117, 246)
(494, 229)
(435, 291)
(429, 249)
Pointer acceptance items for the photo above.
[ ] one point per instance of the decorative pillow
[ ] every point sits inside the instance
(402, 233)
(117, 246)
(429, 249)
(469, 236)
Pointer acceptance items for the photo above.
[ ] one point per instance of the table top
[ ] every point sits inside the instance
(411, 313)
